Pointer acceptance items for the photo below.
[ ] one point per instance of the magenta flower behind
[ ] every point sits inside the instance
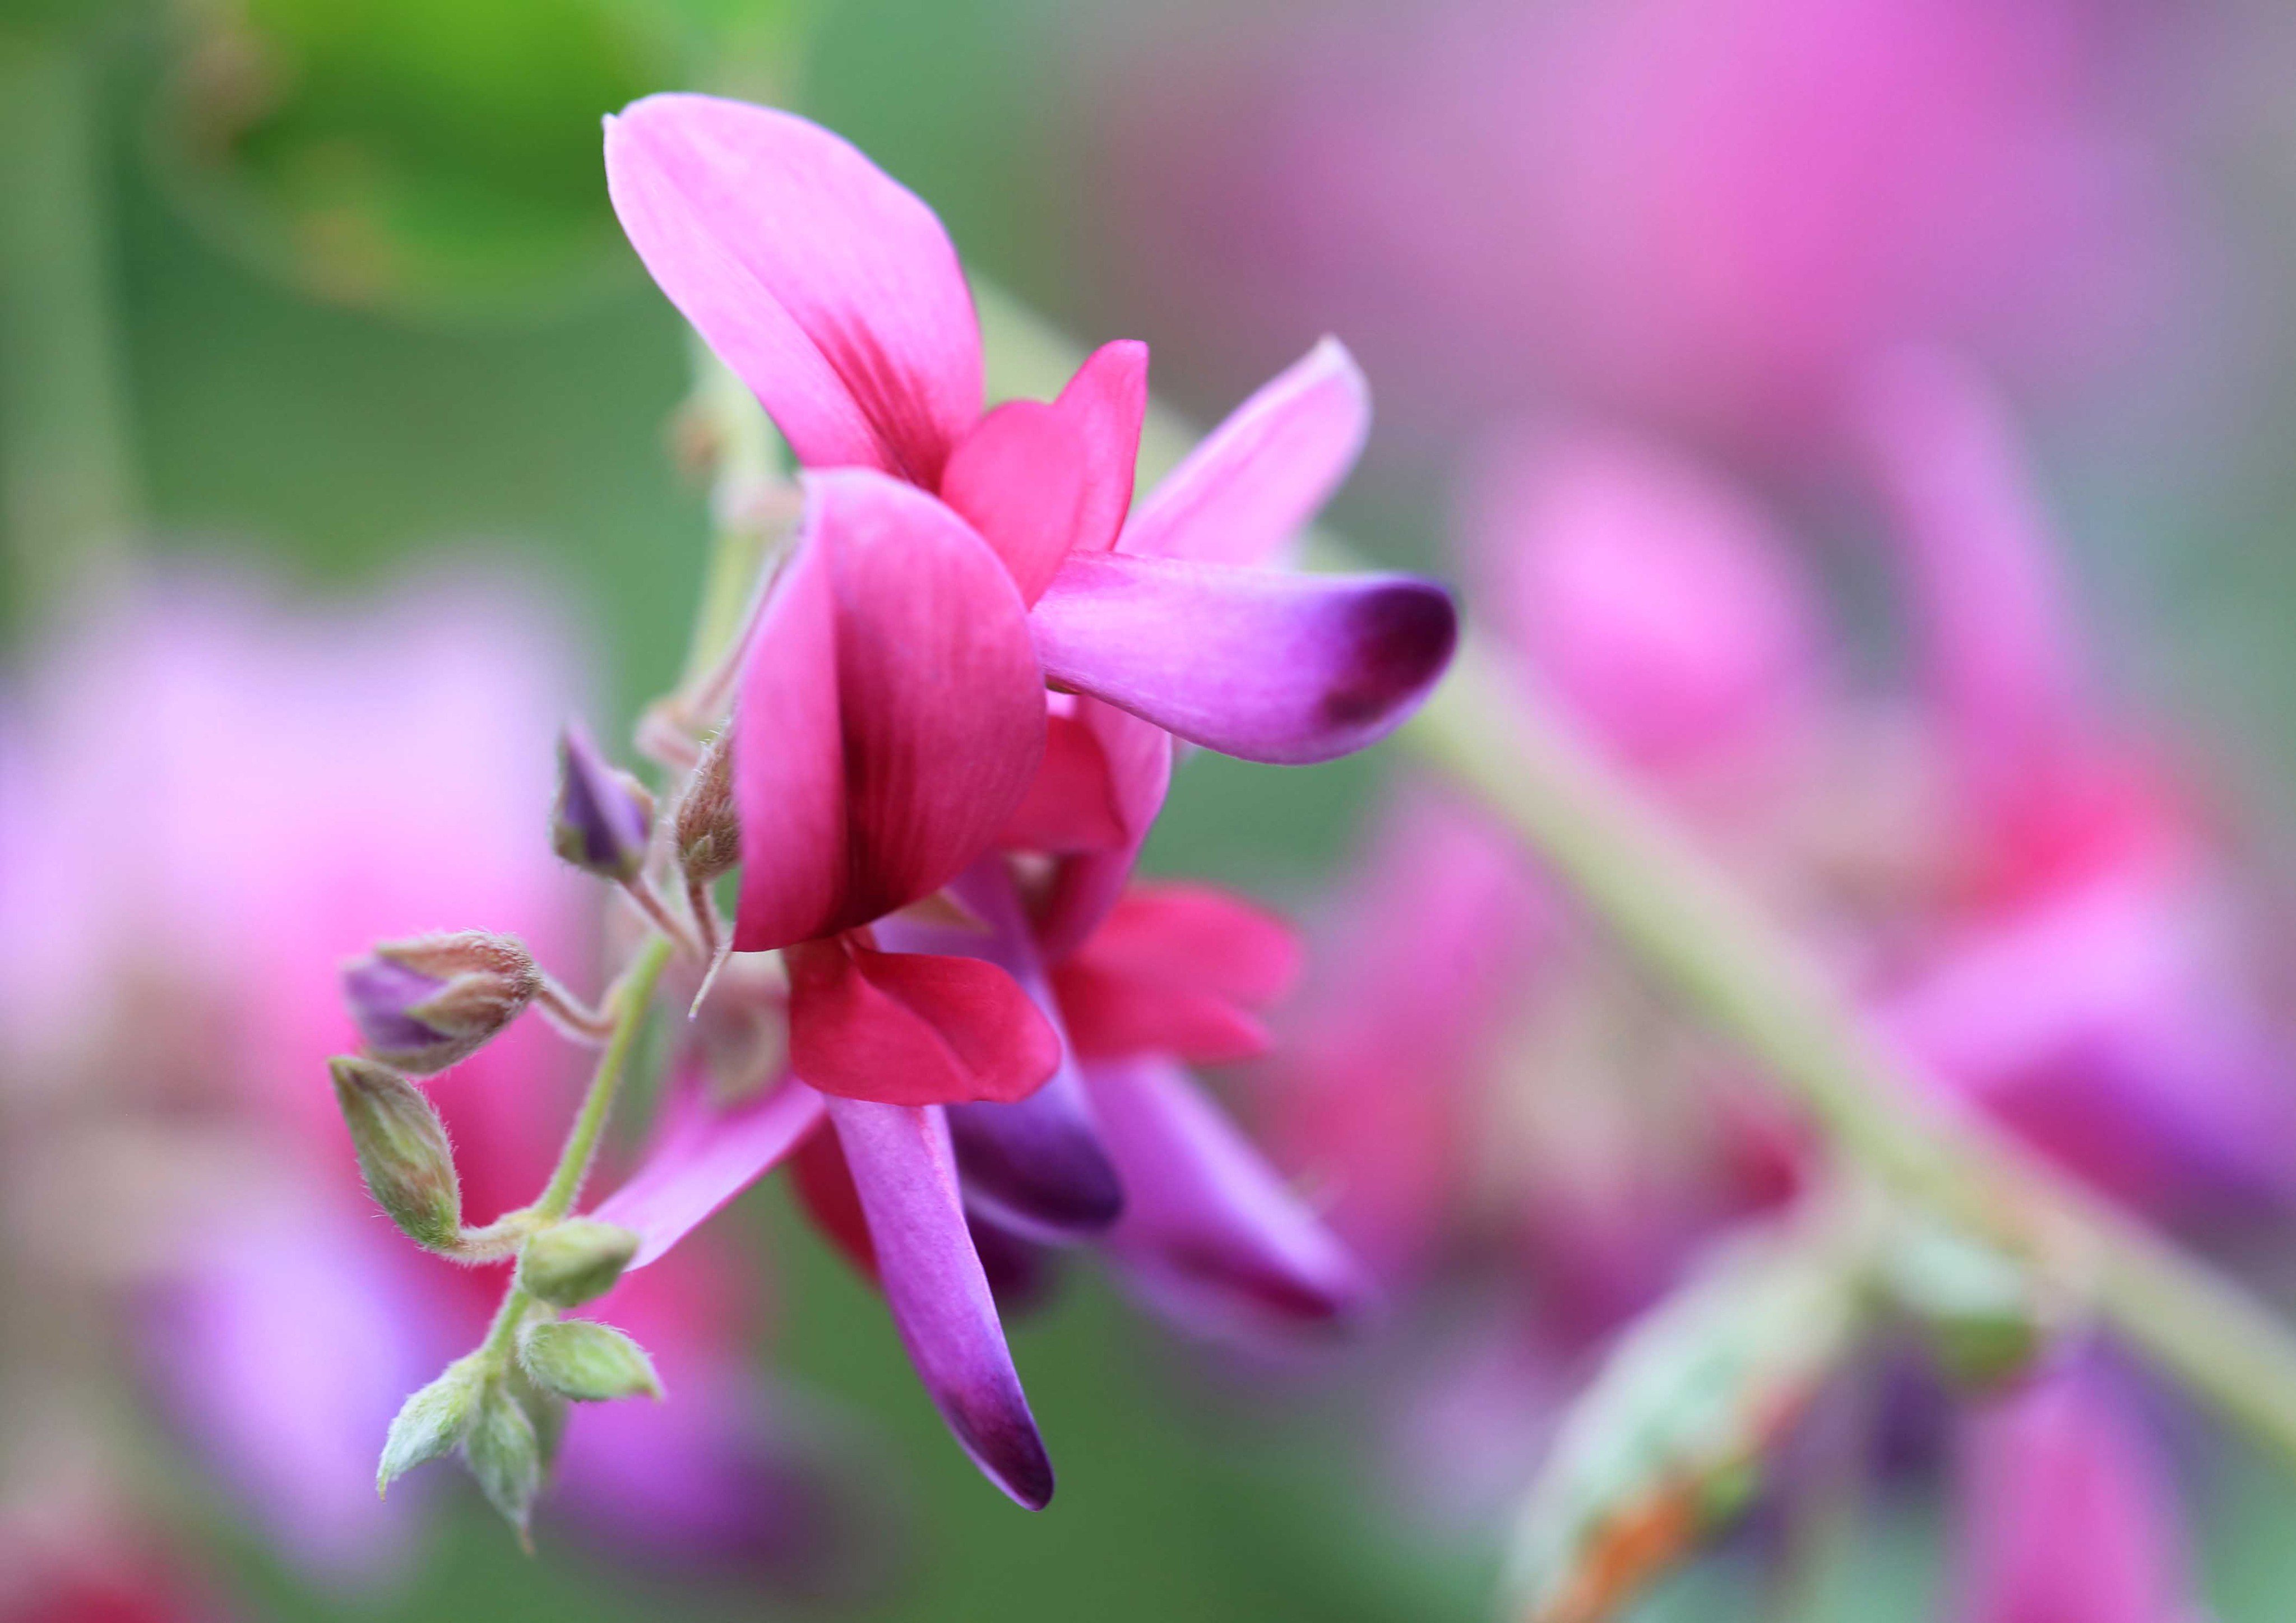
(933, 745)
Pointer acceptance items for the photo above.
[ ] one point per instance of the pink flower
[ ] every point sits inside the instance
(228, 800)
(951, 563)
(1709, 213)
(2068, 1512)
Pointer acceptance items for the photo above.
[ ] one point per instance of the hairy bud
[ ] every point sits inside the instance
(587, 1361)
(431, 1423)
(402, 1151)
(708, 835)
(425, 1004)
(576, 1261)
(505, 1454)
(604, 817)
(1983, 1313)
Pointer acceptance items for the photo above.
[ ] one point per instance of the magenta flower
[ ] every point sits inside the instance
(951, 563)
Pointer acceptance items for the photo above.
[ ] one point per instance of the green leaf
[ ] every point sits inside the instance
(505, 1454)
(584, 1361)
(430, 1423)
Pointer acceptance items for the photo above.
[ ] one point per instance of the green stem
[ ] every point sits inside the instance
(1684, 918)
(67, 489)
(632, 998)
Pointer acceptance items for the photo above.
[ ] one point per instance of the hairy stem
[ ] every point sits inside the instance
(632, 997)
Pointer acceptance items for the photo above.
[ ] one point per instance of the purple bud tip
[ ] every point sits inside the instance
(604, 817)
(424, 1004)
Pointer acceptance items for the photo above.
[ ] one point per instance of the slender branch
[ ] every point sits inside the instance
(632, 997)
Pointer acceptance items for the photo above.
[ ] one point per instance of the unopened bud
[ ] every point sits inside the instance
(709, 834)
(402, 1151)
(604, 817)
(576, 1261)
(587, 1362)
(425, 1004)
(431, 1423)
(1982, 1312)
(1668, 1442)
(505, 1454)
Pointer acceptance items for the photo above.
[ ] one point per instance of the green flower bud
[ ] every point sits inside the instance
(586, 1361)
(430, 1423)
(576, 1261)
(1981, 1310)
(403, 1151)
(505, 1455)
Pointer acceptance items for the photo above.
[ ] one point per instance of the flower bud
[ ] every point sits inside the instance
(576, 1261)
(708, 835)
(1984, 1313)
(604, 817)
(402, 1151)
(584, 1361)
(505, 1454)
(424, 1004)
(431, 1423)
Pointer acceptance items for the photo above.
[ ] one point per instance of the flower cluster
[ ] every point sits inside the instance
(2005, 868)
(934, 747)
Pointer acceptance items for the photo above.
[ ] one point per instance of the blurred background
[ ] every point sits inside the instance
(335, 415)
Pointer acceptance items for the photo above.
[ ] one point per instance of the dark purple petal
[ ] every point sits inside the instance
(904, 1172)
(1262, 664)
(1210, 1233)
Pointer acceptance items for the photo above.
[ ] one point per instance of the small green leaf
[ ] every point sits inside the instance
(586, 1361)
(430, 1423)
(576, 1261)
(505, 1456)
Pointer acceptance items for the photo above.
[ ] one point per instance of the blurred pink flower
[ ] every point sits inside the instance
(209, 803)
(1707, 212)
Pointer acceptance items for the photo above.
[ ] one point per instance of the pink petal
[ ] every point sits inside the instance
(1982, 560)
(1177, 969)
(1138, 758)
(1107, 400)
(1262, 664)
(906, 1175)
(896, 711)
(1071, 801)
(2068, 1511)
(704, 1153)
(829, 288)
(913, 1028)
(1037, 1166)
(1258, 478)
(1209, 1232)
(1019, 478)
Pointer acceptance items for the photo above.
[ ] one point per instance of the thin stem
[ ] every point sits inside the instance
(632, 997)
(649, 901)
(67, 489)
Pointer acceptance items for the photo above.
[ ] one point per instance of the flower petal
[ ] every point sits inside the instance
(831, 289)
(1108, 402)
(1177, 969)
(1209, 1232)
(1019, 478)
(1138, 758)
(1259, 477)
(896, 709)
(1262, 664)
(1072, 804)
(913, 1028)
(705, 1153)
(905, 1173)
(1037, 1166)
